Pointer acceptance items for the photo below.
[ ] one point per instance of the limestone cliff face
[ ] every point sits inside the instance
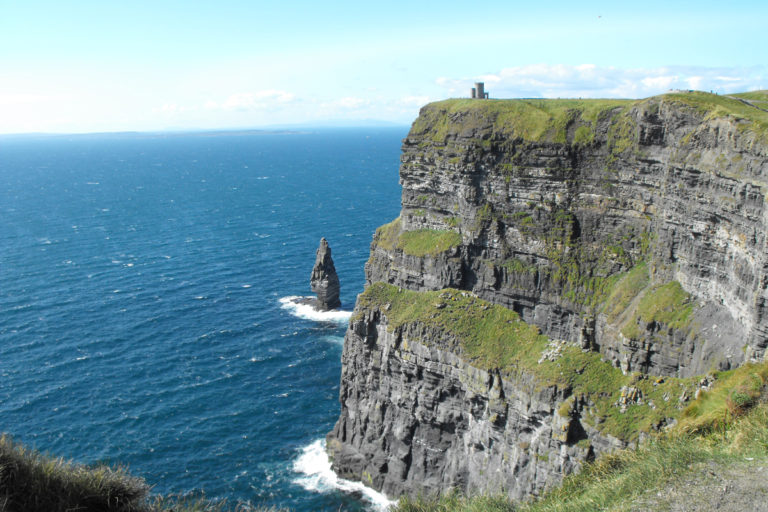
(633, 231)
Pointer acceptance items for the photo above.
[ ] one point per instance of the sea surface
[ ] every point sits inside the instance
(143, 314)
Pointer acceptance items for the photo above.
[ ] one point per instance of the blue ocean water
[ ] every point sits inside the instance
(140, 314)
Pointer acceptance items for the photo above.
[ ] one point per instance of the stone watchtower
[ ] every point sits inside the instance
(478, 91)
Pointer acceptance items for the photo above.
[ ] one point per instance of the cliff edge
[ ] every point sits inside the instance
(564, 276)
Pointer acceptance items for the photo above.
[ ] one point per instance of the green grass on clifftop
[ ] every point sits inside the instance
(494, 337)
(575, 121)
(529, 119)
(712, 106)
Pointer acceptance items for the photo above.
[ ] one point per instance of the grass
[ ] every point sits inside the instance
(753, 95)
(34, 482)
(490, 337)
(626, 289)
(518, 266)
(428, 242)
(533, 120)
(420, 242)
(737, 390)
(713, 106)
(667, 304)
(615, 481)
(387, 236)
(31, 482)
(575, 122)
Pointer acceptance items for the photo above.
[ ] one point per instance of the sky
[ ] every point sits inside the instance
(90, 66)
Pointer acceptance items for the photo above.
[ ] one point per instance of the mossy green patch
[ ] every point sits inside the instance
(428, 242)
(491, 336)
(388, 235)
(518, 266)
(627, 287)
(420, 242)
(667, 304)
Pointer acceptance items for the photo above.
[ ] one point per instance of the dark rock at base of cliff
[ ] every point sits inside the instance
(324, 280)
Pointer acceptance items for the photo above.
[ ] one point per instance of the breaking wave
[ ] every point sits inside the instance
(309, 313)
(318, 476)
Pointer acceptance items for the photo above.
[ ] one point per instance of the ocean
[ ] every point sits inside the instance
(143, 314)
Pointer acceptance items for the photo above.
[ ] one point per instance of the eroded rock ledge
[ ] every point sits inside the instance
(630, 234)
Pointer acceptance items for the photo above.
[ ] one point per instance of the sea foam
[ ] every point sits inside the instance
(309, 313)
(319, 477)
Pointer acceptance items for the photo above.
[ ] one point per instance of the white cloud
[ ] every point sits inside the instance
(255, 100)
(659, 82)
(589, 80)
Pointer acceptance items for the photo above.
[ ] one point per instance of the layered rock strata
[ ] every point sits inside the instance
(632, 234)
(324, 280)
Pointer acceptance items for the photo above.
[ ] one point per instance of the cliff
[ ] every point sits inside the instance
(563, 277)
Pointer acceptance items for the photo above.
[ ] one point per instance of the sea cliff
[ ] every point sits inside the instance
(563, 277)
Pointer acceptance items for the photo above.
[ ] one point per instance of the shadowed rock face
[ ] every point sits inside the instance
(324, 281)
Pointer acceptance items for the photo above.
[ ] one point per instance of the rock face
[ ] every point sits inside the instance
(630, 232)
(324, 281)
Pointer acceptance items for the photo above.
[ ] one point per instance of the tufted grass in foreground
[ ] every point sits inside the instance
(33, 482)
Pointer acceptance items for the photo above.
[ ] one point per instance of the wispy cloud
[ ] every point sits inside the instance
(242, 101)
(255, 100)
(588, 80)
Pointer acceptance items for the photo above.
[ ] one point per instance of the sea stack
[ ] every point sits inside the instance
(324, 281)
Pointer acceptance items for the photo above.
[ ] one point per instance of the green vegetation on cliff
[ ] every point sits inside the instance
(578, 122)
(667, 304)
(717, 431)
(493, 337)
(750, 114)
(531, 120)
(421, 242)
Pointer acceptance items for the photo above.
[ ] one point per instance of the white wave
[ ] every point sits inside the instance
(319, 477)
(309, 313)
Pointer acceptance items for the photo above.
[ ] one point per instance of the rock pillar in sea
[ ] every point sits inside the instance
(324, 281)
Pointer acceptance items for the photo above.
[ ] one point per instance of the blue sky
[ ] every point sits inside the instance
(81, 66)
